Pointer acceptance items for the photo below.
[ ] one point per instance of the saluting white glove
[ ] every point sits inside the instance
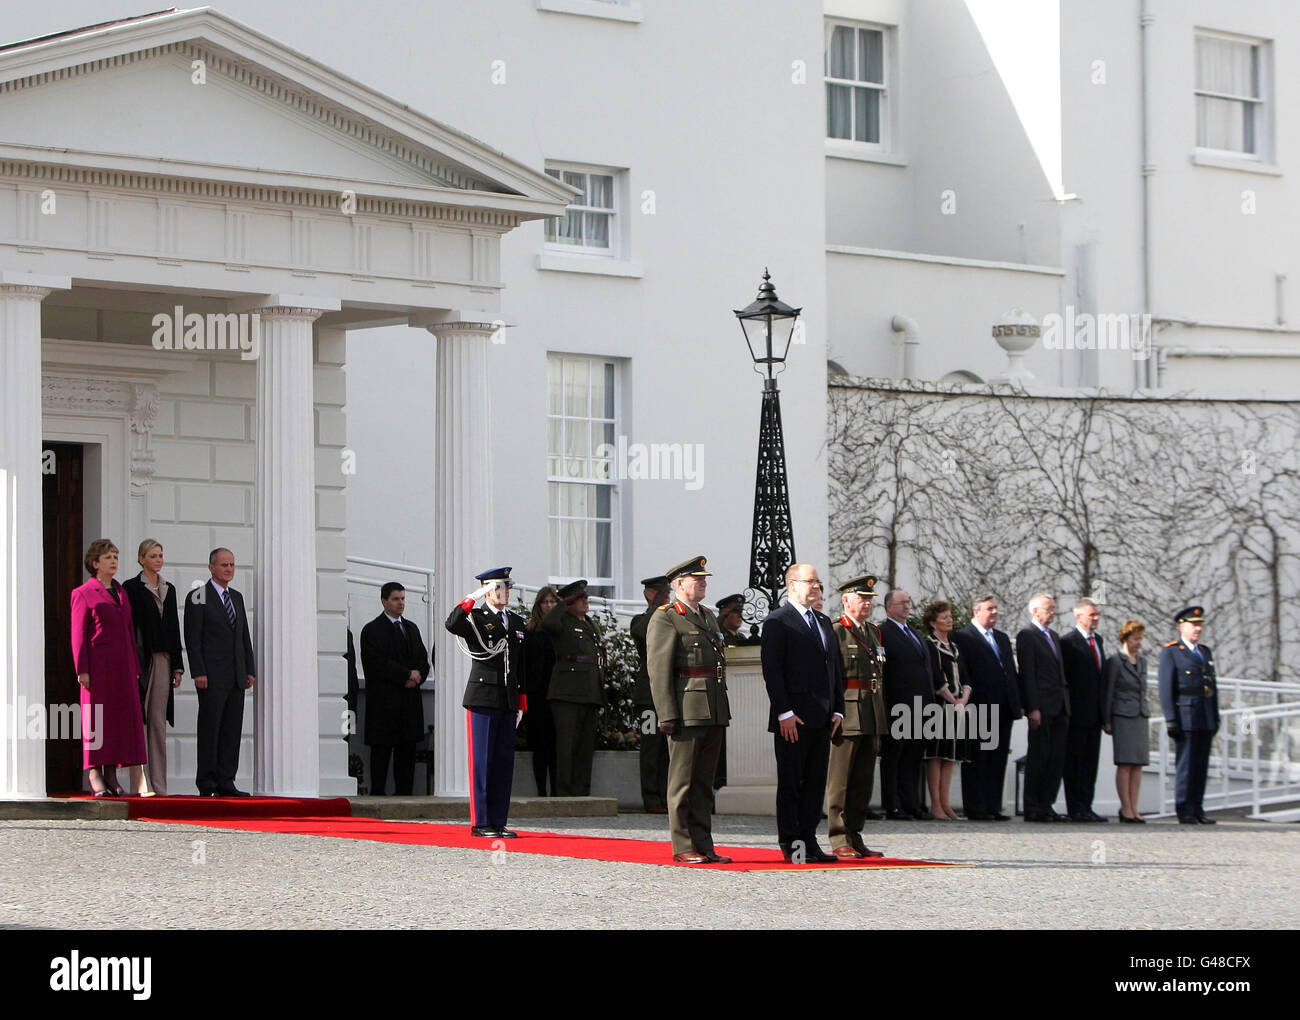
(478, 593)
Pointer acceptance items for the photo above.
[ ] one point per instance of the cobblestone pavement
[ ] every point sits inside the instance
(1237, 874)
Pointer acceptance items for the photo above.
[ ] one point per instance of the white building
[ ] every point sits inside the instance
(984, 162)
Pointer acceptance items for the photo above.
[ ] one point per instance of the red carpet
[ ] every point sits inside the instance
(554, 844)
(195, 808)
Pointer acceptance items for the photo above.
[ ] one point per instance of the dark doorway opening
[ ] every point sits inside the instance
(63, 484)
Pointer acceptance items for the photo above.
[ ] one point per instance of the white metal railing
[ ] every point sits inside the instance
(1257, 763)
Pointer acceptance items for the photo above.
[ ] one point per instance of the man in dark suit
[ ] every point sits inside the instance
(995, 694)
(805, 685)
(653, 745)
(909, 687)
(493, 637)
(1046, 698)
(395, 664)
(220, 650)
(1082, 658)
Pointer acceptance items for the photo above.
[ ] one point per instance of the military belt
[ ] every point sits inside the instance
(579, 658)
(686, 672)
(862, 685)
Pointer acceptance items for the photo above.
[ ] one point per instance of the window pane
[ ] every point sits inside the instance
(556, 561)
(597, 229)
(609, 397)
(600, 191)
(575, 448)
(841, 52)
(604, 560)
(866, 115)
(579, 181)
(554, 444)
(1225, 65)
(838, 115)
(555, 391)
(575, 387)
(597, 392)
(568, 230)
(571, 535)
(588, 548)
(553, 498)
(603, 497)
(1219, 124)
(871, 56)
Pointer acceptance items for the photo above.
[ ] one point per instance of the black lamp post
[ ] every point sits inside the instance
(769, 325)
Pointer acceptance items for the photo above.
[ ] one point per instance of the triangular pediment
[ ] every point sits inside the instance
(193, 89)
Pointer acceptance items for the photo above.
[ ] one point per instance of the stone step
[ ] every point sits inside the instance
(57, 808)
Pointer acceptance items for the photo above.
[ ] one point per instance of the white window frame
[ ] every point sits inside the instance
(611, 481)
(887, 89)
(617, 211)
(1263, 102)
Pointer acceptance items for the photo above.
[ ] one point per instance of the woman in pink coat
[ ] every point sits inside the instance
(108, 669)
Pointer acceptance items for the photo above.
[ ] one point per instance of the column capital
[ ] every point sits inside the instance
(465, 328)
(270, 313)
(287, 306)
(16, 283)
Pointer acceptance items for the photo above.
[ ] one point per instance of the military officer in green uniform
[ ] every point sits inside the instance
(852, 768)
(653, 744)
(731, 618)
(686, 659)
(576, 691)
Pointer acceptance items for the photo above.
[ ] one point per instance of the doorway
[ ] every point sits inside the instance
(63, 490)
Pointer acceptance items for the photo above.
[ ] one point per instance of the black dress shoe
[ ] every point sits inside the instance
(504, 833)
(975, 816)
(1206, 820)
(817, 855)
(484, 831)
(924, 816)
(998, 816)
(715, 858)
(1037, 816)
(1092, 816)
(207, 793)
(873, 816)
(231, 791)
(1188, 821)
(898, 816)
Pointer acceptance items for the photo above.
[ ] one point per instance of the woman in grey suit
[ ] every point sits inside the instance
(1124, 716)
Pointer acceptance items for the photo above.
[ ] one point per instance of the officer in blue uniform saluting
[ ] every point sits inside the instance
(1189, 699)
(493, 637)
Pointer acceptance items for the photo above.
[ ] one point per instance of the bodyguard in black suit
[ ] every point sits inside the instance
(908, 676)
(395, 664)
(493, 637)
(805, 685)
(1083, 659)
(220, 650)
(1046, 697)
(995, 691)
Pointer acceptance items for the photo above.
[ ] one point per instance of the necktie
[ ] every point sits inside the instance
(812, 622)
(915, 640)
(1051, 640)
(230, 610)
(401, 632)
(504, 622)
(988, 636)
(1092, 643)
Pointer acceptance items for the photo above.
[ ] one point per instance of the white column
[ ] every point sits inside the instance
(462, 526)
(22, 603)
(286, 734)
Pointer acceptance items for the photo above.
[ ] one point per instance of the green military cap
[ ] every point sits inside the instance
(659, 582)
(1191, 614)
(730, 600)
(573, 590)
(694, 567)
(864, 585)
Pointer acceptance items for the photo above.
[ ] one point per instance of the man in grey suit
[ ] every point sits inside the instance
(1046, 699)
(220, 650)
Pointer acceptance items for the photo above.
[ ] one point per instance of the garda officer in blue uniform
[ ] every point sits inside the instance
(493, 637)
(1189, 699)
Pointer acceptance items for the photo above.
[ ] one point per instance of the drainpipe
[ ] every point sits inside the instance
(911, 341)
(1148, 171)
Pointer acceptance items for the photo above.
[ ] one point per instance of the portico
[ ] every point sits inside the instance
(121, 197)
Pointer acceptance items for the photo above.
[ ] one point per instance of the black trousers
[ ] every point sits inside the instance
(539, 724)
(982, 777)
(220, 723)
(403, 756)
(1082, 751)
(800, 784)
(900, 774)
(1045, 763)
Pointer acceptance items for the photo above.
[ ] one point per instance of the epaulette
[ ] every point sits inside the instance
(681, 608)
(845, 622)
(1170, 644)
(660, 609)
